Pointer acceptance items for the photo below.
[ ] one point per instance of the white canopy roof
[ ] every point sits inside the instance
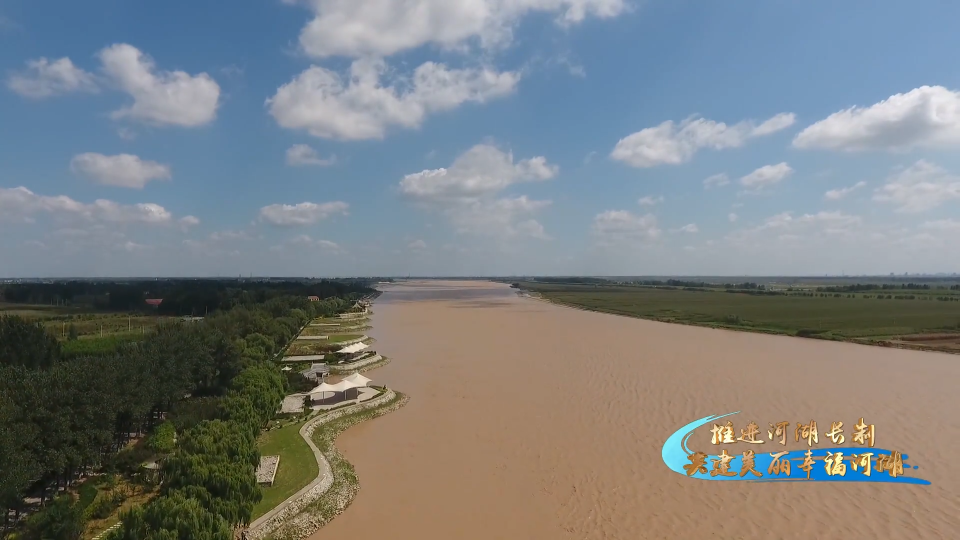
(349, 349)
(343, 386)
(357, 379)
(324, 387)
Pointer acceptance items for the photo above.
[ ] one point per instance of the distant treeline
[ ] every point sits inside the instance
(858, 287)
(180, 297)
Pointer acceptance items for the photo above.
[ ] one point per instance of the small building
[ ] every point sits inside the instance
(316, 372)
(313, 298)
(155, 302)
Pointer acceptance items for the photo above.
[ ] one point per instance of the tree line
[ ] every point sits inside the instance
(63, 415)
(180, 296)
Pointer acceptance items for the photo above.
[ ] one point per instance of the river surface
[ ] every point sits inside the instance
(534, 421)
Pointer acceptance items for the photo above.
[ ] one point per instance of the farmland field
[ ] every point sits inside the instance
(88, 323)
(870, 317)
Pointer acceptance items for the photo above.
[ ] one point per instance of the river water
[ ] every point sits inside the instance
(533, 421)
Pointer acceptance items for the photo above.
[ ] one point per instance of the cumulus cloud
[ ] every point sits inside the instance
(356, 28)
(688, 228)
(786, 226)
(304, 241)
(717, 180)
(480, 171)
(417, 245)
(466, 192)
(301, 154)
(620, 226)
(44, 78)
(941, 225)
(918, 188)
(320, 102)
(305, 213)
(839, 193)
(925, 117)
(223, 236)
(122, 170)
(673, 144)
(650, 200)
(766, 176)
(188, 221)
(159, 97)
(21, 204)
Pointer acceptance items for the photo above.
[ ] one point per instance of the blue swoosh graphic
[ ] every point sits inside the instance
(675, 452)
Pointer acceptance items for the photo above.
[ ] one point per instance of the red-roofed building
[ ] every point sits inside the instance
(313, 298)
(154, 301)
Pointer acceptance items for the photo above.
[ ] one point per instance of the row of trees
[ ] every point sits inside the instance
(62, 415)
(180, 296)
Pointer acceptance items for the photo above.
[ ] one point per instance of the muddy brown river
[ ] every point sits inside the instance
(534, 421)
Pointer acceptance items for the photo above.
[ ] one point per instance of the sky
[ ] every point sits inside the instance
(479, 137)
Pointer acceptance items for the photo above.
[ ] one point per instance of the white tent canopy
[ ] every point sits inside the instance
(317, 393)
(357, 379)
(356, 347)
(343, 386)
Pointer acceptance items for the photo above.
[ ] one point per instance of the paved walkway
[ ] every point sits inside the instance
(268, 522)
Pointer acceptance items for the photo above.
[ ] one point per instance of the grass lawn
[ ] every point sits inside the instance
(841, 318)
(298, 466)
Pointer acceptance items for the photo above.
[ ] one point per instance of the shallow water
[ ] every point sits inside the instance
(534, 421)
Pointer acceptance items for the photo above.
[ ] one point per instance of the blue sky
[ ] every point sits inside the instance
(370, 137)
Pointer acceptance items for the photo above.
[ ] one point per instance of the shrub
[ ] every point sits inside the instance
(163, 438)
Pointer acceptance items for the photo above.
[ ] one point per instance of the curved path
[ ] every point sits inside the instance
(290, 507)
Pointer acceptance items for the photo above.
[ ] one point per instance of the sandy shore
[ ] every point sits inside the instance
(534, 421)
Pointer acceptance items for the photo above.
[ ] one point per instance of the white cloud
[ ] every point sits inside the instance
(305, 241)
(942, 225)
(357, 28)
(766, 176)
(35, 244)
(222, 236)
(417, 245)
(786, 227)
(45, 78)
(533, 229)
(619, 226)
(920, 187)
(480, 171)
(589, 157)
(466, 192)
(160, 97)
(21, 204)
(731, 217)
(717, 180)
(650, 200)
(673, 144)
(320, 102)
(498, 218)
(925, 117)
(305, 213)
(122, 170)
(127, 134)
(688, 228)
(301, 154)
(839, 193)
(188, 221)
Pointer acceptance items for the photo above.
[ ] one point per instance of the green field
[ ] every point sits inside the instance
(845, 317)
(298, 466)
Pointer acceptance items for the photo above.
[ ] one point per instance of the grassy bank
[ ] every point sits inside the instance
(862, 317)
(297, 467)
(345, 482)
